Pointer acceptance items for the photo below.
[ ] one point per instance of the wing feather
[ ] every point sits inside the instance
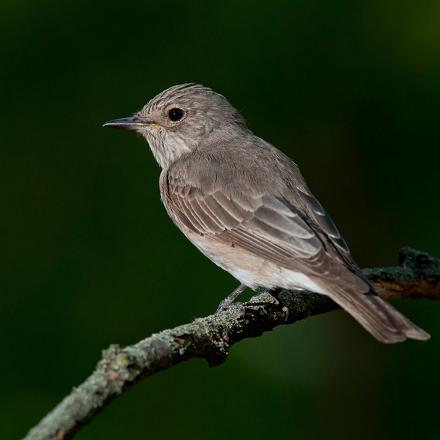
(262, 224)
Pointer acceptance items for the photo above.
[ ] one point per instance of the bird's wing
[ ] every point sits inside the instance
(264, 224)
(323, 225)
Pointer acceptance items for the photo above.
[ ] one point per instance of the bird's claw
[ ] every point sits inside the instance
(226, 305)
(285, 310)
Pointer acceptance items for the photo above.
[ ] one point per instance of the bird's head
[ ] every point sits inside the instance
(181, 118)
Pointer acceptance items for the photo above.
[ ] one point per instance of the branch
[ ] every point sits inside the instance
(417, 276)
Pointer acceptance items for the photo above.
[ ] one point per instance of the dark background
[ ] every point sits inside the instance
(349, 89)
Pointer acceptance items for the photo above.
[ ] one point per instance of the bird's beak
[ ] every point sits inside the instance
(131, 123)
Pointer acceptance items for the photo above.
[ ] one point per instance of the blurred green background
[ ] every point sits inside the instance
(350, 90)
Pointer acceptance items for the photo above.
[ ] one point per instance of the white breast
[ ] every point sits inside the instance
(251, 270)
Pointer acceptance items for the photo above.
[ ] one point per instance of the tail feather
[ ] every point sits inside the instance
(381, 319)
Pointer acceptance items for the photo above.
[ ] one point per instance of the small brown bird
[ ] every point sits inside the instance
(246, 206)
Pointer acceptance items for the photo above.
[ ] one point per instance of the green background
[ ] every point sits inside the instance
(349, 89)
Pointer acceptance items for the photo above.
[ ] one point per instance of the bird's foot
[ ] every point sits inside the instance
(226, 305)
(228, 302)
(286, 313)
(275, 292)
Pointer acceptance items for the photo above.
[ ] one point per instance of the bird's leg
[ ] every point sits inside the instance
(227, 302)
(275, 292)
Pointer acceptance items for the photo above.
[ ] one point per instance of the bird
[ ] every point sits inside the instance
(246, 206)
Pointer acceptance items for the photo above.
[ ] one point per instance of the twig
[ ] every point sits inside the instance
(417, 276)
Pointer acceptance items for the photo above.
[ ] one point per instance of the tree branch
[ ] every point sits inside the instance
(417, 276)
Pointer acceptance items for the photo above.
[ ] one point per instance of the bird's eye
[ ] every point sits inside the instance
(175, 114)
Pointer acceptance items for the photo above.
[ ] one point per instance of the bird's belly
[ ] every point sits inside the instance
(251, 270)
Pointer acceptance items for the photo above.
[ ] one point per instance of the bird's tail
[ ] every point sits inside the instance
(382, 320)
